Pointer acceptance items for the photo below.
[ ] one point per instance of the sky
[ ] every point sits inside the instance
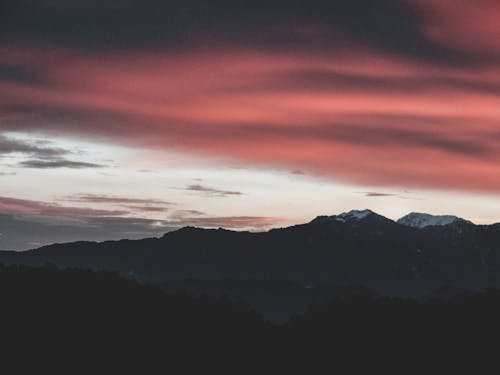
(128, 119)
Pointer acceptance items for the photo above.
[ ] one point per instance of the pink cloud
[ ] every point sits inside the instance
(359, 116)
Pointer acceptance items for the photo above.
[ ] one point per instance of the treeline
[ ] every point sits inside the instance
(69, 320)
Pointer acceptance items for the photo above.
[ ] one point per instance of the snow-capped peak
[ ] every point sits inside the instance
(355, 215)
(419, 220)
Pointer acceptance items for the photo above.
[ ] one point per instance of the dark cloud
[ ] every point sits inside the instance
(10, 205)
(58, 163)
(374, 194)
(133, 204)
(96, 198)
(16, 73)
(212, 192)
(42, 154)
(390, 25)
(33, 149)
(148, 208)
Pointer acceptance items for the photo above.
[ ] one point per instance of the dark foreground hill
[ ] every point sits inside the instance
(76, 321)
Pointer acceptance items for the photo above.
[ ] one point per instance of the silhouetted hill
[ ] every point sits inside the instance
(355, 248)
(363, 334)
(276, 300)
(71, 320)
(82, 321)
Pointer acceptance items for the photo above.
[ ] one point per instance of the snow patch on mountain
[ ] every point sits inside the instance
(420, 220)
(354, 215)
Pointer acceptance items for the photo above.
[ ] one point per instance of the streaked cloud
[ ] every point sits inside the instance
(212, 192)
(15, 206)
(374, 194)
(238, 107)
(96, 198)
(148, 208)
(33, 149)
(41, 154)
(141, 205)
(57, 163)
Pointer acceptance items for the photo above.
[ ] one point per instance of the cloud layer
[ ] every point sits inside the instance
(211, 192)
(376, 93)
(435, 127)
(26, 224)
(40, 155)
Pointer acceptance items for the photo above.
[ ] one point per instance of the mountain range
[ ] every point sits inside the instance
(416, 253)
(284, 270)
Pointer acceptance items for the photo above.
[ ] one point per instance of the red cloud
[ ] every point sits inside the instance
(357, 116)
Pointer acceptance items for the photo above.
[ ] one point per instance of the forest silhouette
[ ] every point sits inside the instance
(96, 321)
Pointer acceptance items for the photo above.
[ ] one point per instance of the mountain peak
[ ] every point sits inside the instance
(356, 214)
(421, 220)
(351, 216)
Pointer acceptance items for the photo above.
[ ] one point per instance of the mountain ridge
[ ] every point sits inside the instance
(353, 216)
(363, 248)
(413, 219)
